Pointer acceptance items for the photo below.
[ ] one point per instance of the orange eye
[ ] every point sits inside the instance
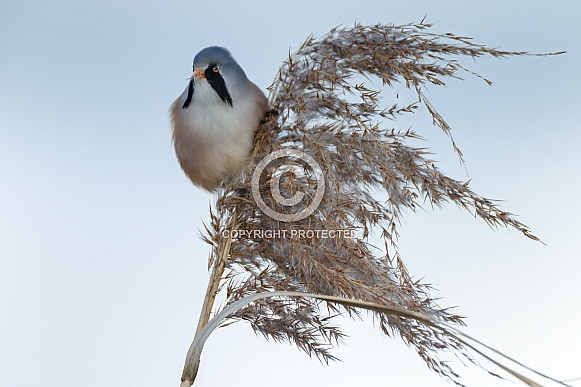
(216, 68)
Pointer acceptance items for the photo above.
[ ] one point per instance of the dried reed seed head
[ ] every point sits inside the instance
(371, 178)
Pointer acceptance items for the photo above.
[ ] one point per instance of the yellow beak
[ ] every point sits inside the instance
(199, 73)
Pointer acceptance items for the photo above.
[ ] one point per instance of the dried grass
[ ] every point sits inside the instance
(372, 178)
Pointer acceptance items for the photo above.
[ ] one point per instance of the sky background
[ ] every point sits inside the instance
(102, 272)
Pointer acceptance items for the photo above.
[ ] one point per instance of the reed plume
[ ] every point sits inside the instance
(339, 172)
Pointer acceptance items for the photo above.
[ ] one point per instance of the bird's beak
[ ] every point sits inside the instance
(199, 73)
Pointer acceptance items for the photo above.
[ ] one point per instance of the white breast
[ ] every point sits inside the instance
(212, 139)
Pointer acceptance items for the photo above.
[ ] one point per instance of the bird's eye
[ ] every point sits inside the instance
(216, 68)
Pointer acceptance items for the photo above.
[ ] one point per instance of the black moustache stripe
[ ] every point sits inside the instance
(190, 94)
(217, 82)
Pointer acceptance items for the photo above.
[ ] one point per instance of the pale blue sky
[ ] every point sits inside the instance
(102, 272)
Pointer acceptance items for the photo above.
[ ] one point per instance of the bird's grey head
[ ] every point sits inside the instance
(217, 66)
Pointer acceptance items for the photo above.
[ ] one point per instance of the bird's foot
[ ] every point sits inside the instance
(270, 115)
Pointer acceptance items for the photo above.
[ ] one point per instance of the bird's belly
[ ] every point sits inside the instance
(213, 145)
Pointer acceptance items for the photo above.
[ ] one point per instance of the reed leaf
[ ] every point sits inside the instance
(497, 358)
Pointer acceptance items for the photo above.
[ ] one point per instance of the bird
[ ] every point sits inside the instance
(215, 118)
